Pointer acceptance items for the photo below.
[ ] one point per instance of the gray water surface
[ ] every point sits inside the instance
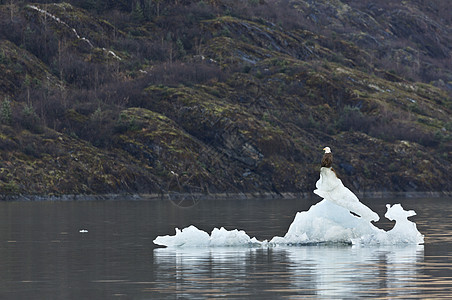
(44, 253)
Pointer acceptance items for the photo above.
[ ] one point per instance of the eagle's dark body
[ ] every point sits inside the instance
(327, 160)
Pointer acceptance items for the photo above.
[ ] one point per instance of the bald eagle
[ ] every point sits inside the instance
(327, 160)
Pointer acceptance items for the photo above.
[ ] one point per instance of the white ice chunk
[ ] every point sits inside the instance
(224, 238)
(326, 222)
(187, 237)
(404, 230)
(194, 237)
(330, 187)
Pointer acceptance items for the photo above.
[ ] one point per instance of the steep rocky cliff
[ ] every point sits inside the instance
(101, 97)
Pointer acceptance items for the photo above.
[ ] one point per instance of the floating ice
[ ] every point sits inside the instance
(193, 237)
(330, 187)
(328, 222)
(190, 236)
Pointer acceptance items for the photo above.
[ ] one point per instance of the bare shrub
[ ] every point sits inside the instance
(185, 73)
(389, 127)
(353, 119)
(397, 130)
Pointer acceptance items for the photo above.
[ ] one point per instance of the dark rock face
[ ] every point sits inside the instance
(102, 97)
(348, 169)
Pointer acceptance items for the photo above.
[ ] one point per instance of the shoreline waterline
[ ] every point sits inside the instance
(213, 196)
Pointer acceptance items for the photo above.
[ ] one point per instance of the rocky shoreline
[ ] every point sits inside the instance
(218, 196)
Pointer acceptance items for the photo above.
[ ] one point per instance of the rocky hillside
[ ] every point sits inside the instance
(101, 97)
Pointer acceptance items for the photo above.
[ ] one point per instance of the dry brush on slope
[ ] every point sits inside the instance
(213, 96)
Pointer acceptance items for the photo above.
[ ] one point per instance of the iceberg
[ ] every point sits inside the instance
(330, 187)
(340, 218)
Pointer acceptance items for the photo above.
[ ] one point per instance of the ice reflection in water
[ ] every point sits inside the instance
(342, 272)
(313, 271)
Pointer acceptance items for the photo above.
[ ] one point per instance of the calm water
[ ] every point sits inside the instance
(43, 254)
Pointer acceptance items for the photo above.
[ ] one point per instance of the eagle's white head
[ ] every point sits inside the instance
(327, 150)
